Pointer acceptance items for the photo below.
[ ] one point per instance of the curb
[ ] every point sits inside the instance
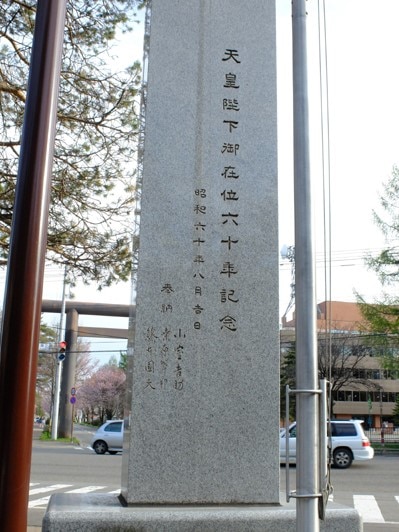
(386, 452)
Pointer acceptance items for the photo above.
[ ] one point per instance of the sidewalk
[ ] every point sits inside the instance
(36, 436)
(37, 431)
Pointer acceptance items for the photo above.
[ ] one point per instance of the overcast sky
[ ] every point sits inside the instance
(363, 93)
(363, 87)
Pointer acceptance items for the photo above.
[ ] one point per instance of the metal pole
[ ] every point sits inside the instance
(68, 373)
(307, 486)
(56, 407)
(24, 284)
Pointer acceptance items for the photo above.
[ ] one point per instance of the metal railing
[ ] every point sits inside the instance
(386, 435)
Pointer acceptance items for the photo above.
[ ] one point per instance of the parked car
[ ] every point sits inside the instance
(348, 441)
(108, 438)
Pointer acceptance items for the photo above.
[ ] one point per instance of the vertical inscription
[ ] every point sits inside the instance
(229, 189)
(165, 349)
(199, 259)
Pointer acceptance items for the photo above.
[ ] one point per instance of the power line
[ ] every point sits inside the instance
(44, 352)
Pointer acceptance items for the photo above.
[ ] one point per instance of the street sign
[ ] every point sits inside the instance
(73, 391)
(72, 400)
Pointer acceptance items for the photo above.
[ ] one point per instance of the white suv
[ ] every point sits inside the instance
(348, 439)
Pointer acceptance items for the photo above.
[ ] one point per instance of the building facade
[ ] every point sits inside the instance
(364, 388)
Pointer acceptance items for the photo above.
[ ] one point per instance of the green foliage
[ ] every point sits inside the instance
(46, 436)
(46, 365)
(383, 322)
(386, 263)
(123, 361)
(92, 189)
(388, 446)
(288, 377)
(382, 316)
(395, 412)
(121, 364)
(47, 334)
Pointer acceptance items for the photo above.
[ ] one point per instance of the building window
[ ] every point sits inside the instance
(340, 395)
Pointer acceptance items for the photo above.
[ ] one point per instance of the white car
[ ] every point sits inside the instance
(348, 440)
(109, 437)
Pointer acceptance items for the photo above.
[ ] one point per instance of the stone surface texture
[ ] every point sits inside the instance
(204, 421)
(104, 513)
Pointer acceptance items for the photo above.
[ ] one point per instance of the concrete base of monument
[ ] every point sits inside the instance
(105, 513)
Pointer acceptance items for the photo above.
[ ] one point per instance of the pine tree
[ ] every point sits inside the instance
(92, 188)
(382, 316)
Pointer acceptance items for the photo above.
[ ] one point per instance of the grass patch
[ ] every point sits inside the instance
(380, 447)
(46, 436)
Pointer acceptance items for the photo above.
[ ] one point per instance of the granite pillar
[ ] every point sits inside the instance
(204, 420)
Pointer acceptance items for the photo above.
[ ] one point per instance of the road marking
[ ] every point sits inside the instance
(36, 491)
(86, 489)
(368, 508)
(41, 503)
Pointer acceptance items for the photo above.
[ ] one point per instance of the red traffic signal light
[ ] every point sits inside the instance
(61, 352)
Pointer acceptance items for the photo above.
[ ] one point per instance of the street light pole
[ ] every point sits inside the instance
(307, 478)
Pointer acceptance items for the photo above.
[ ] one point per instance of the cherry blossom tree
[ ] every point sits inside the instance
(103, 394)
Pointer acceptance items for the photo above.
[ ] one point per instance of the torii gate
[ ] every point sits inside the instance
(72, 331)
(93, 309)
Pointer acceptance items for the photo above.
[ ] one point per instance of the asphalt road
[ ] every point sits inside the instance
(59, 467)
(371, 486)
(74, 464)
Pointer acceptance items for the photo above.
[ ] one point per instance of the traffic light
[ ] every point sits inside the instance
(61, 352)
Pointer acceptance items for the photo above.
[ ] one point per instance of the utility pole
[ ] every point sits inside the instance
(308, 431)
(24, 284)
(68, 376)
(58, 373)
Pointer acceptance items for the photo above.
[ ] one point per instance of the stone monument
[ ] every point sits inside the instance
(205, 416)
(202, 433)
